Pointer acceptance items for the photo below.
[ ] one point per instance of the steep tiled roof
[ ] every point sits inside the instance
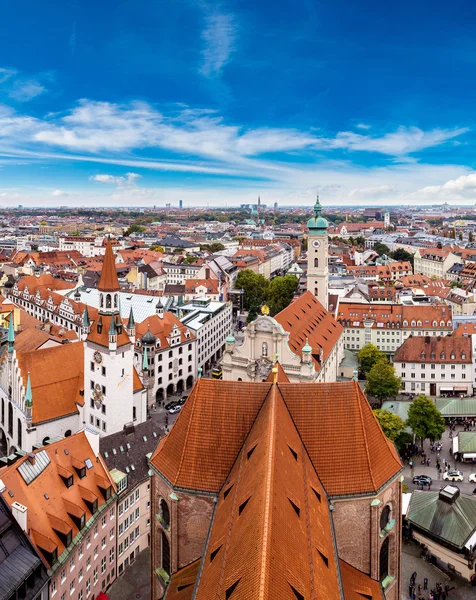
(273, 497)
(430, 349)
(56, 380)
(358, 585)
(162, 327)
(108, 281)
(99, 333)
(342, 436)
(214, 416)
(281, 376)
(45, 280)
(307, 320)
(136, 381)
(182, 583)
(46, 497)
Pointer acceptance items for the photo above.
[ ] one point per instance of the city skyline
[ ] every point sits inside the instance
(217, 103)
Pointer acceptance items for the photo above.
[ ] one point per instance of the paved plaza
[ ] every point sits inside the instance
(135, 583)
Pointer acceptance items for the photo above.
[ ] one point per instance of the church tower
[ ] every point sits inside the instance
(317, 256)
(108, 359)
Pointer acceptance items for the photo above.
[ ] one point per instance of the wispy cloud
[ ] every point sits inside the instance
(21, 87)
(363, 126)
(128, 180)
(219, 38)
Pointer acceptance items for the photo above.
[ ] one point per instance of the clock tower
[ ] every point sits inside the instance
(317, 256)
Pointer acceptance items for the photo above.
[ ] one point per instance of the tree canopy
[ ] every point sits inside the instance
(255, 288)
(280, 293)
(382, 382)
(368, 356)
(392, 425)
(425, 419)
(402, 255)
(134, 228)
(380, 248)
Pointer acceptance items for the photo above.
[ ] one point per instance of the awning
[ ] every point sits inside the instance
(455, 445)
(406, 502)
(469, 454)
(446, 389)
(462, 388)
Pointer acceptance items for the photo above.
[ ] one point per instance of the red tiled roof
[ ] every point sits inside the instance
(109, 281)
(358, 585)
(307, 320)
(430, 349)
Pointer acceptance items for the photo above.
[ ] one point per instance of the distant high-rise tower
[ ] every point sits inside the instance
(386, 219)
(259, 204)
(275, 206)
(317, 255)
(180, 204)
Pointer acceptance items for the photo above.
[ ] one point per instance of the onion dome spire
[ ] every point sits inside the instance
(28, 395)
(11, 334)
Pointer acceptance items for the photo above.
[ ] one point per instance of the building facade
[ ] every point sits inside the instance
(317, 256)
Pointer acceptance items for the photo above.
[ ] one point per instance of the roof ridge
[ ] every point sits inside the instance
(359, 399)
(306, 502)
(268, 496)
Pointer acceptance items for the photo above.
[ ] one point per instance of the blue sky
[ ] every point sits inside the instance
(148, 102)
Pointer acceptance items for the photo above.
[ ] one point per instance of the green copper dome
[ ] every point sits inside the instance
(317, 223)
(230, 339)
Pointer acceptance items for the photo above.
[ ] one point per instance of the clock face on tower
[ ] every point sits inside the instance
(316, 244)
(97, 357)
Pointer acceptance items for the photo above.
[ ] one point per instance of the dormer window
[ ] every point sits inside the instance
(452, 356)
(463, 356)
(442, 356)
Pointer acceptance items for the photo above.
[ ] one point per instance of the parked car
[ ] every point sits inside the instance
(472, 477)
(171, 405)
(453, 476)
(175, 409)
(422, 479)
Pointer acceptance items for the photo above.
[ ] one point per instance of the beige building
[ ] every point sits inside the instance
(305, 338)
(433, 262)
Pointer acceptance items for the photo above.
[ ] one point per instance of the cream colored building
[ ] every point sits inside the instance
(433, 262)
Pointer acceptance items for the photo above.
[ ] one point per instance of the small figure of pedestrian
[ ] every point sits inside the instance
(425, 583)
(428, 462)
(414, 575)
(410, 590)
(419, 588)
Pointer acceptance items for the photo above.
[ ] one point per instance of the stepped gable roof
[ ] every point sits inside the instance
(109, 281)
(306, 319)
(214, 416)
(342, 436)
(281, 375)
(271, 532)
(358, 585)
(337, 426)
(99, 334)
(182, 583)
(57, 379)
(42, 490)
(430, 349)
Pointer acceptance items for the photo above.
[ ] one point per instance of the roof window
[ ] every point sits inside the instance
(250, 452)
(242, 506)
(293, 452)
(298, 595)
(227, 491)
(229, 591)
(214, 553)
(318, 496)
(296, 508)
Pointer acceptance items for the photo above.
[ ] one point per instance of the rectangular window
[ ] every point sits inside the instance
(103, 565)
(95, 576)
(120, 549)
(111, 533)
(103, 543)
(137, 532)
(137, 513)
(111, 513)
(137, 493)
(111, 556)
(103, 521)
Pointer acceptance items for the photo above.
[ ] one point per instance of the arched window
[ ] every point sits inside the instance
(115, 300)
(108, 301)
(164, 513)
(316, 262)
(166, 552)
(19, 433)
(102, 301)
(385, 516)
(10, 419)
(384, 559)
(67, 433)
(264, 349)
(3, 411)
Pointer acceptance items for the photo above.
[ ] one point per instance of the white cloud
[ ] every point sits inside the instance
(129, 179)
(398, 143)
(59, 194)
(462, 188)
(20, 87)
(218, 36)
(26, 89)
(374, 193)
(363, 126)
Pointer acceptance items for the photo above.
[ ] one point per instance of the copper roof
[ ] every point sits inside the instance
(108, 281)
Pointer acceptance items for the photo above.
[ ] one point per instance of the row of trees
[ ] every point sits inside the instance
(399, 255)
(257, 290)
(424, 419)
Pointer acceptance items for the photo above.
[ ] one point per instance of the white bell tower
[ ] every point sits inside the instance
(317, 256)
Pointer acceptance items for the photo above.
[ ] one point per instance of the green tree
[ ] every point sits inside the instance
(392, 425)
(382, 382)
(134, 228)
(156, 248)
(402, 255)
(460, 236)
(280, 293)
(255, 288)
(368, 356)
(470, 237)
(381, 248)
(190, 259)
(425, 419)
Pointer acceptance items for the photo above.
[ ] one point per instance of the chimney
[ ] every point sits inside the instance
(32, 459)
(20, 513)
